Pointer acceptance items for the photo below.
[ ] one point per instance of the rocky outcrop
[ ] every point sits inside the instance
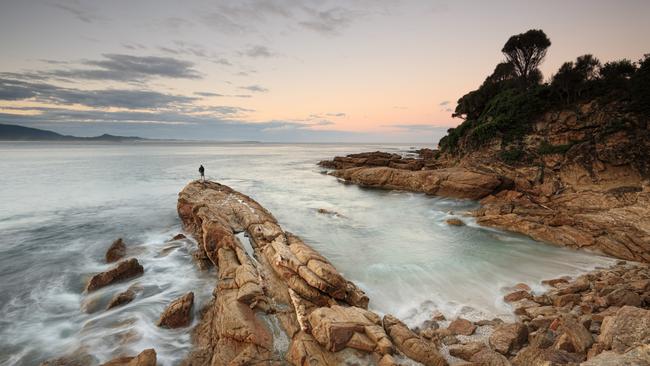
(116, 251)
(582, 179)
(411, 344)
(145, 358)
(450, 182)
(124, 270)
(179, 313)
(282, 289)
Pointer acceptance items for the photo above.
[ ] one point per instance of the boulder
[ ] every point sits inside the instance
(507, 338)
(178, 237)
(179, 313)
(116, 251)
(490, 358)
(622, 297)
(411, 344)
(517, 295)
(461, 326)
(124, 270)
(455, 222)
(466, 351)
(145, 358)
(628, 328)
(574, 336)
(637, 356)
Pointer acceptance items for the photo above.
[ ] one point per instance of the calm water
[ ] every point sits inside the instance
(63, 204)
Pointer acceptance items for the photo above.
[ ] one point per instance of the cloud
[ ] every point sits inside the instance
(78, 10)
(329, 21)
(120, 67)
(208, 94)
(336, 114)
(222, 61)
(257, 52)
(11, 89)
(254, 88)
(444, 103)
(415, 127)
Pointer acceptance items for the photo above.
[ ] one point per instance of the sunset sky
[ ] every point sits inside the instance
(289, 70)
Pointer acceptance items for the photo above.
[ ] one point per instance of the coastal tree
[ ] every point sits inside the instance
(573, 78)
(526, 51)
(618, 70)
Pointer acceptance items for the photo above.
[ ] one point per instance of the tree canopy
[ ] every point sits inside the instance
(526, 51)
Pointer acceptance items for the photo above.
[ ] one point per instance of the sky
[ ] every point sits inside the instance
(280, 71)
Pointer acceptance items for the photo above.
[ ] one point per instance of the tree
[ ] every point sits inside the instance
(641, 86)
(618, 70)
(526, 51)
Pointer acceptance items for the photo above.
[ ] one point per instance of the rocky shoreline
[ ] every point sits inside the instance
(278, 301)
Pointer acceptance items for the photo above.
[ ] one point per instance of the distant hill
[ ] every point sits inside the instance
(20, 133)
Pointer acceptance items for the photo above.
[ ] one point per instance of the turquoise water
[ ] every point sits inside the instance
(63, 204)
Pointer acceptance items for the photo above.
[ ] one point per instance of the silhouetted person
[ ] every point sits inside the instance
(202, 172)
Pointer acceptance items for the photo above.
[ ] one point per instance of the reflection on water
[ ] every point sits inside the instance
(63, 204)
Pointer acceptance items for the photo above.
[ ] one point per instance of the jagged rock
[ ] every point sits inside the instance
(179, 313)
(124, 270)
(411, 345)
(628, 328)
(545, 356)
(116, 251)
(466, 351)
(622, 297)
(145, 358)
(637, 356)
(461, 326)
(574, 336)
(78, 358)
(508, 337)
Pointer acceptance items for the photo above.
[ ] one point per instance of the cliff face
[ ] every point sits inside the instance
(578, 178)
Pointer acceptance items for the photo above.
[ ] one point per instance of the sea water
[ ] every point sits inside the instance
(62, 204)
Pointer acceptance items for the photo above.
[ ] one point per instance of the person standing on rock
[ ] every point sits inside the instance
(202, 172)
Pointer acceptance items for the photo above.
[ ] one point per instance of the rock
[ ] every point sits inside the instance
(536, 311)
(178, 237)
(530, 355)
(568, 299)
(490, 358)
(628, 328)
(517, 295)
(507, 338)
(124, 270)
(451, 182)
(555, 282)
(574, 338)
(78, 358)
(411, 345)
(145, 358)
(455, 222)
(637, 356)
(520, 306)
(448, 340)
(122, 298)
(466, 351)
(622, 297)
(116, 251)
(461, 326)
(179, 313)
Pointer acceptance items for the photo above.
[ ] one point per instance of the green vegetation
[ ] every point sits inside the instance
(509, 99)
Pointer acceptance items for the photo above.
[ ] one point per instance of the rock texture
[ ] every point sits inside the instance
(179, 313)
(583, 180)
(283, 289)
(124, 270)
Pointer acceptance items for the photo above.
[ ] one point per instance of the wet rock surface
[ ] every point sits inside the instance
(116, 251)
(122, 271)
(284, 289)
(179, 313)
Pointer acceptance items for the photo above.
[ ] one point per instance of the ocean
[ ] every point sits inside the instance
(63, 204)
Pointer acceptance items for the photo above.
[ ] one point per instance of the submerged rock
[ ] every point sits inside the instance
(455, 222)
(123, 298)
(461, 326)
(116, 251)
(179, 313)
(124, 270)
